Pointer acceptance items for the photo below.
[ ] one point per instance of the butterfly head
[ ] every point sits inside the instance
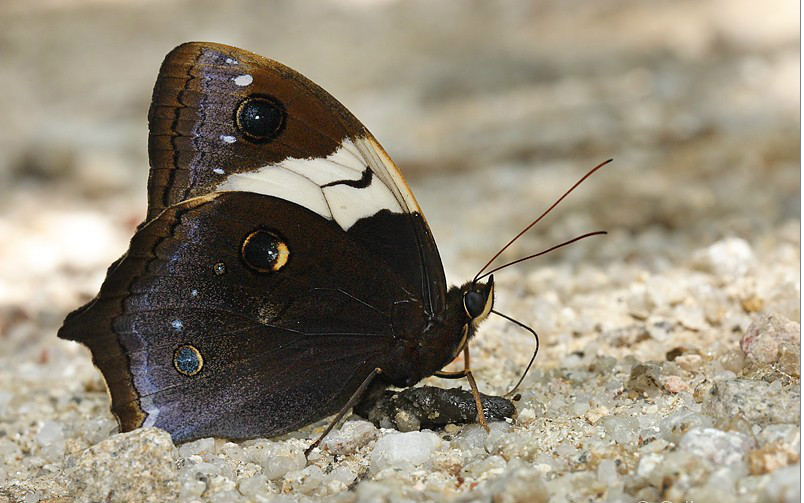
(478, 301)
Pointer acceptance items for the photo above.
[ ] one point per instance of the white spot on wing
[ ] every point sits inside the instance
(177, 325)
(243, 80)
(231, 61)
(218, 171)
(228, 139)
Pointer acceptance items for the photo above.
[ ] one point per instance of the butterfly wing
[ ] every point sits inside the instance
(226, 119)
(202, 330)
(189, 334)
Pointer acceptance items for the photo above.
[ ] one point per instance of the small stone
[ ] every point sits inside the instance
(191, 489)
(659, 327)
(252, 486)
(135, 466)
(49, 433)
(580, 408)
(644, 379)
(200, 446)
(783, 485)
(450, 461)
(526, 416)
(607, 472)
(733, 360)
(718, 447)
(350, 437)
(753, 402)
(307, 480)
(226, 496)
(343, 475)
(675, 384)
(622, 429)
(712, 491)
(470, 439)
(689, 362)
(497, 437)
(51, 438)
(728, 258)
(771, 457)
(702, 390)
(491, 466)
(637, 302)
(752, 304)
(785, 433)
(403, 450)
(406, 421)
(790, 361)
(648, 463)
(674, 426)
(595, 414)
(691, 317)
(767, 334)
(276, 467)
(519, 485)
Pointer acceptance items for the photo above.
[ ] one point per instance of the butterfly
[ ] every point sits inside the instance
(284, 267)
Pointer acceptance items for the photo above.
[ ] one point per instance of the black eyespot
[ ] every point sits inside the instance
(188, 360)
(474, 303)
(260, 118)
(264, 251)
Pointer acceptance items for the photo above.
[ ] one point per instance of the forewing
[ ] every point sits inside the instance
(318, 155)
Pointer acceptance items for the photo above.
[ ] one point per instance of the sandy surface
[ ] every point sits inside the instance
(670, 354)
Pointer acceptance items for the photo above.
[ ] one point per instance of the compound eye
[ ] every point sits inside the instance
(473, 303)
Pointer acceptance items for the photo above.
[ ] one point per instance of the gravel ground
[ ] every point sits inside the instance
(670, 359)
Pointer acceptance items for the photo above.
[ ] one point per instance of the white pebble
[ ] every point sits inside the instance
(403, 450)
(276, 467)
(607, 472)
(252, 486)
(192, 488)
(352, 436)
(200, 446)
(50, 433)
(719, 447)
(726, 258)
(648, 463)
(343, 474)
(308, 480)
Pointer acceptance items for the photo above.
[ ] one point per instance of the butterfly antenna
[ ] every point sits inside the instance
(556, 247)
(532, 358)
(526, 229)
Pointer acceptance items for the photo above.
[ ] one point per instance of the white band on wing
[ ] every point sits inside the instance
(343, 186)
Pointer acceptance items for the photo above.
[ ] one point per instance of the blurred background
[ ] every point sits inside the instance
(492, 108)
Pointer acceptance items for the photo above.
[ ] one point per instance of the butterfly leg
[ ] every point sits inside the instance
(356, 396)
(467, 373)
